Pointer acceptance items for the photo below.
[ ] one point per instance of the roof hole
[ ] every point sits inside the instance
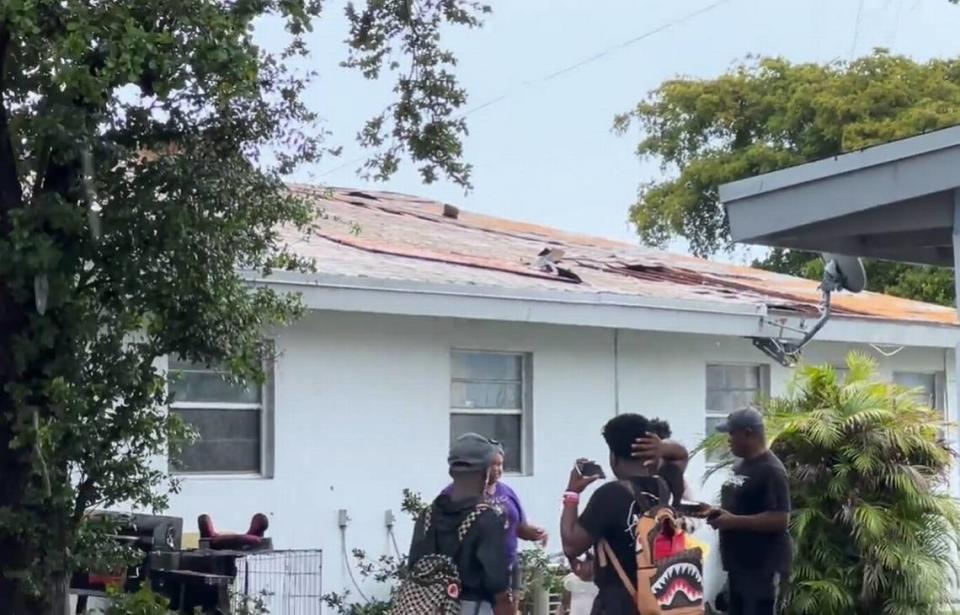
(362, 195)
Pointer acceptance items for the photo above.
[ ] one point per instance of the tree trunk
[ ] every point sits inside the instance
(58, 595)
(15, 463)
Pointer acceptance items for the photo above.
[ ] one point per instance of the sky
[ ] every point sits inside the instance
(542, 148)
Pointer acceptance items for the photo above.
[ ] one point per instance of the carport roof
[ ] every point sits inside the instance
(894, 201)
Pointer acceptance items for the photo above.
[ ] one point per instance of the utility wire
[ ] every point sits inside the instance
(346, 563)
(856, 30)
(569, 68)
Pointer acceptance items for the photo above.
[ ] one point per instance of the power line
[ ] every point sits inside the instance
(605, 53)
(569, 68)
(856, 30)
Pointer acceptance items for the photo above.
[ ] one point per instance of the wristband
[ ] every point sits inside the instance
(571, 498)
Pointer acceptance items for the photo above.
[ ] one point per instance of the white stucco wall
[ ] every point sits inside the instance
(362, 403)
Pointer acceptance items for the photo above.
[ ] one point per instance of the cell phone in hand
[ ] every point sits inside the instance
(589, 468)
(694, 509)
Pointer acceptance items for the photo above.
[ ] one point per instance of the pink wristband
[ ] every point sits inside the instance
(571, 497)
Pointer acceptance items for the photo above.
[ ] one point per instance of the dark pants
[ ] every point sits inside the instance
(752, 592)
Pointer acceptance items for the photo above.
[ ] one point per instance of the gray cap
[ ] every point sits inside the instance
(470, 453)
(745, 418)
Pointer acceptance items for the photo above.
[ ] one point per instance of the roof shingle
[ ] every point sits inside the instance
(388, 236)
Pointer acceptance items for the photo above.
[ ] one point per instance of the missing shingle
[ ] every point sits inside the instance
(362, 195)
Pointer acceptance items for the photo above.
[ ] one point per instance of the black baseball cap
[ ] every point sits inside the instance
(745, 418)
(471, 453)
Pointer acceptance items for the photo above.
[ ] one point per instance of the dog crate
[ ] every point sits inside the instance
(284, 582)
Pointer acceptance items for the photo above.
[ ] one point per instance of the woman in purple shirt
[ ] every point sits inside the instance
(506, 502)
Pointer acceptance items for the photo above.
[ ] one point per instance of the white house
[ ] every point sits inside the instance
(425, 321)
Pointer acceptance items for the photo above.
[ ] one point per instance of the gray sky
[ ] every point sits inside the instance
(544, 152)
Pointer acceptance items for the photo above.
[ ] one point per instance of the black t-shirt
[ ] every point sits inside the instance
(756, 485)
(612, 514)
(481, 558)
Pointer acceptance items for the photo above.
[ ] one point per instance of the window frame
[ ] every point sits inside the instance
(265, 409)
(763, 390)
(525, 412)
(939, 387)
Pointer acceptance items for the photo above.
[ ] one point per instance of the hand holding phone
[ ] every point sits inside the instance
(583, 474)
(590, 468)
(696, 510)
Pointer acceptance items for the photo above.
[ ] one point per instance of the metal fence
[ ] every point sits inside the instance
(287, 582)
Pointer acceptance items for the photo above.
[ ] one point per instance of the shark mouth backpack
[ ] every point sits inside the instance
(669, 575)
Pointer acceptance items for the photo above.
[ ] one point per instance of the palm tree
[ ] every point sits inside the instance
(874, 527)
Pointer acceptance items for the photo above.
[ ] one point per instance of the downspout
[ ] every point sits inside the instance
(616, 372)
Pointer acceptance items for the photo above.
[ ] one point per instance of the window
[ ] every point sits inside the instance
(490, 395)
(729, 388)
(930, 387)
(229, 418)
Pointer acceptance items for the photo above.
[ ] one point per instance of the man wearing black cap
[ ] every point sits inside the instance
(754, 540)
(480, 556)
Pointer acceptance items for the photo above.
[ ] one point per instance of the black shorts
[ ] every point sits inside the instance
(753, 592)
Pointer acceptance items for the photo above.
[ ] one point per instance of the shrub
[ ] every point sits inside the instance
(873, 525)
(145, 601)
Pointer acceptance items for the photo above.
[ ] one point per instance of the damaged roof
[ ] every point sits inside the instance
(389, 236)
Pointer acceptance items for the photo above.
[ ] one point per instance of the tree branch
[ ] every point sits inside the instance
(11, 195)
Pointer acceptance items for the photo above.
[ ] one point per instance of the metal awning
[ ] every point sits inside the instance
(897, 201)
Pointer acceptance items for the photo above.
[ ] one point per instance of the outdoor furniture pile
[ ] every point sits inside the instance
(190, 578)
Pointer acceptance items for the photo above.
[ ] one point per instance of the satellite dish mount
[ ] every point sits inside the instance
(839, 273)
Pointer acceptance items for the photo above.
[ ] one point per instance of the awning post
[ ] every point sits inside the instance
(954, 412)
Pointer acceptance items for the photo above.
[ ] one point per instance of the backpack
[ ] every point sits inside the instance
(432, 586)
(669, 575)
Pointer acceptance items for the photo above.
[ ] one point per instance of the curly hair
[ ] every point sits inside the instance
(621, 431)
(661, 428)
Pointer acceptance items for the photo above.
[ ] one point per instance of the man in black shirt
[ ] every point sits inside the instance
(754, 540)
(613, 510)
(480, 557)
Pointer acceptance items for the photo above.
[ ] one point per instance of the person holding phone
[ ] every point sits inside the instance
(613, 510)
(507, 503)
(753, 521)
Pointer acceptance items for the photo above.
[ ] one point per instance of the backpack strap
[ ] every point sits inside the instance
(662, 495)
(666, 494)
(470, 519)
(605, 553)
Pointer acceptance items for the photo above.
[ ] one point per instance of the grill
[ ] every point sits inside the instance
(203, 579)
(146, 533)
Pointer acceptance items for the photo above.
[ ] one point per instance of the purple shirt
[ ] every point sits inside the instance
(506, 502)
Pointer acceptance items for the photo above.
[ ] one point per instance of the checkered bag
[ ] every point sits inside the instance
(432, 587)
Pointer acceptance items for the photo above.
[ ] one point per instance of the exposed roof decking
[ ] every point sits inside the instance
(385, 236)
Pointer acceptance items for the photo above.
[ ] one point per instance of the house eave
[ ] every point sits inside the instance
(603, 310)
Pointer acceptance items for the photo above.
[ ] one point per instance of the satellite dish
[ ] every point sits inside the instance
(839, 273)
(843, 273)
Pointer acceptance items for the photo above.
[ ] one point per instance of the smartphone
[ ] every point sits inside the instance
(590, 468)
(694, 509)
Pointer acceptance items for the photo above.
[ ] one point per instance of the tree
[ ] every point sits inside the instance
(142, 149)
(874, 529)
(768, 114)
(922, 283)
